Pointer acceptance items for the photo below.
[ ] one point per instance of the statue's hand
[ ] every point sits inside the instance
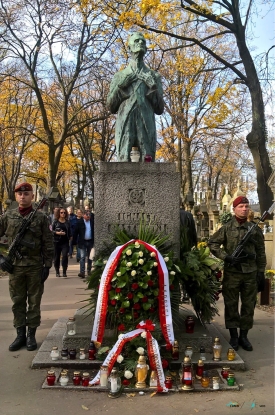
(127, 80)
(148, 79)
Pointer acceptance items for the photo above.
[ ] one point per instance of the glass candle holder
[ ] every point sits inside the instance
(153, 379)
(103, 376)
(64, 354)
(175, 351)
(148, 158)
(205, 380)
(54, 353)
(231, 354)
(72, 354)
(200, 369)
(82, 354)
(216, 383)
(51, 377)
(115, 382)
(92, 351)
(217, 350)
(231, 379)
(189, 324)
(64, 379)
(71, 326)
(187, 378)
(85, 379)
(225, 371)
(168, 382)
(77, 378)
(188, 351)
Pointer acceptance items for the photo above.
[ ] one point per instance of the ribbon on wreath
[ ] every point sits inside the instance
(165, 314)
(152, 350)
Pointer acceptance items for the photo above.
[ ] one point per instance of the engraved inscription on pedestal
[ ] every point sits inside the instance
(125, 193)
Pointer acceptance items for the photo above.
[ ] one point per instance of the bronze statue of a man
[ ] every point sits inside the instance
(136, 95)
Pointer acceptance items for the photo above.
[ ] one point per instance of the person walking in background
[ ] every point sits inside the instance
(72, 220)
(241, 273)
(62, 235)
(26, 283)
(79, 215)
(84, 234)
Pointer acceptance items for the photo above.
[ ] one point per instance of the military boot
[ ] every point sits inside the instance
(20, 340)
(244, 342)
(31, 342)
(234, 338)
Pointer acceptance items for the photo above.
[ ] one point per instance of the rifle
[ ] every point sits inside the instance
(6, 263)
(240, 246)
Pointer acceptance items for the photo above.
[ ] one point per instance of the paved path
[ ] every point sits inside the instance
(20, 386)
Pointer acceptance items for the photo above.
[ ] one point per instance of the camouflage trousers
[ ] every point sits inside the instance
(239, 287)
(26, 292)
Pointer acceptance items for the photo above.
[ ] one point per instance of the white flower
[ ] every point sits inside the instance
(120, 358)
(155, 264)
(143, 334)
(105, 261)
(153, 254)
(166, 259)
(128, 374)
(149, 272)
(133, 273)
(137, 245)
(118, 274)
(128, 252)
(140, 350)
(140, 254)
(172, 273)
(141, 261)
(120, 335)
(129, 264)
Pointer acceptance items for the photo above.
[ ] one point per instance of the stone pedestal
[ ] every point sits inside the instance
(127, 192)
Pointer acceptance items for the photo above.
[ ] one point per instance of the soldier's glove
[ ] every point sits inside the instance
(44, 274)
(6, 265)
(234, 260)
(260, 281)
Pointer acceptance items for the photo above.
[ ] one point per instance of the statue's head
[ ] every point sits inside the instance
(137, 44)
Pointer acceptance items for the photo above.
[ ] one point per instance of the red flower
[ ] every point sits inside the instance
(164, 363)
(118, 290)
(144, 299)
(136, 306)
(172, 287)
(126, 382)
(151, 309)
(135, 286)
(113, 302)
(109, 287)
(136, 315)
(130, 296)
(122, 310)
(121, 327)
(150, 283)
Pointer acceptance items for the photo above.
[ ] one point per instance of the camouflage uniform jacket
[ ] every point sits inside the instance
(226, 239)
(38, 233)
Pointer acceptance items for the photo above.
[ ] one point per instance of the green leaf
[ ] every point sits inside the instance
(126, 304)
(140, 295)
(146, 306)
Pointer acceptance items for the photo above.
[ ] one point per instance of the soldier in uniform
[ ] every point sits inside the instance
(240, 274)
(26, 283)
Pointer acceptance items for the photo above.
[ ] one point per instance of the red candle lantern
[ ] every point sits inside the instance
(168, 382)
(148, 158)
(189, 324)
(51, 377)
(175, 351)
(187, 378)
(77, 378)
(92, 351)
(200, 369)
